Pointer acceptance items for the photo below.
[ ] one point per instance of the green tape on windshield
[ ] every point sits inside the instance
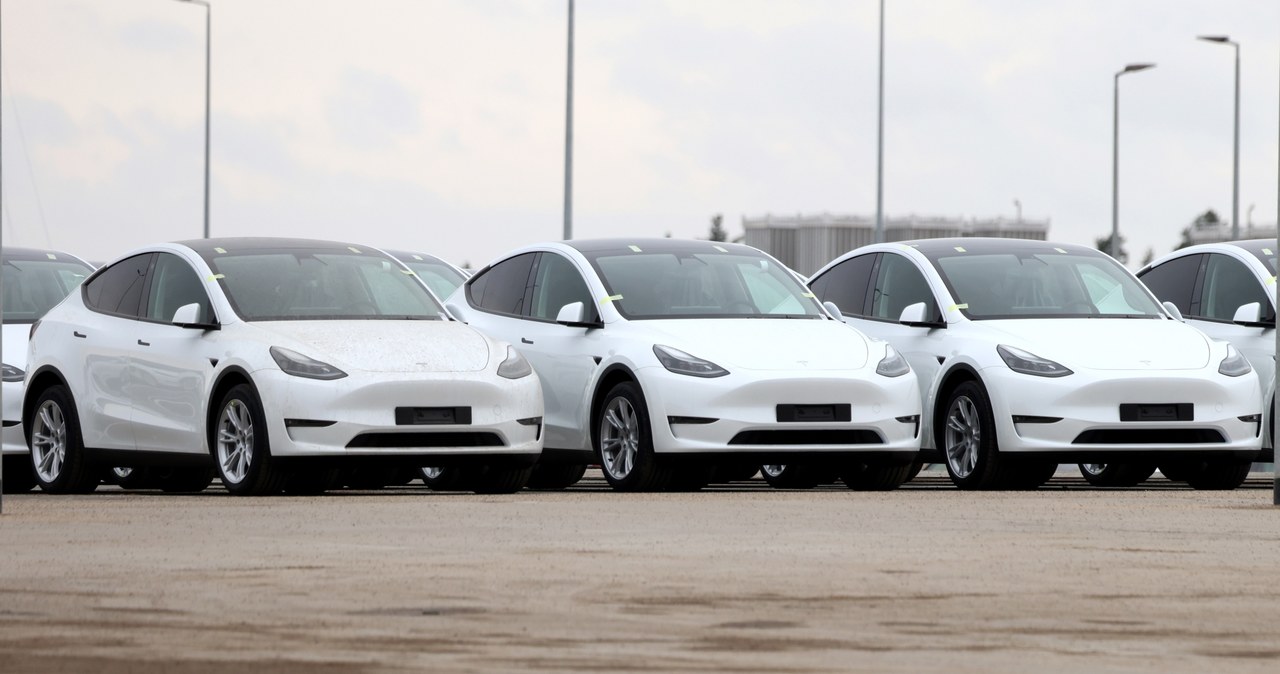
(220, 251)
(722, 249)
(960, 249)
(353, 249)
(215, 277)
(51, 256)
(611, 298)
(957, 306)
(634, 249)
(1061, 251)
(809, 295)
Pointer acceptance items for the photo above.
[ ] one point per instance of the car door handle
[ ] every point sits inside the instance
(76, 333)
(142, 343)
(525, 340)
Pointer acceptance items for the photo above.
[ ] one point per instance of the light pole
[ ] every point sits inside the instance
(1235, 153)
(880, 139)
(1115, 155)
(568, 137)
(208, 52)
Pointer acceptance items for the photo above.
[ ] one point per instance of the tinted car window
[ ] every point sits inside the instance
(556, 284)
(846, 284)
(501, 288)
(898, 285)
(118, 288)
(1228, 285)
(1174, 281)
(175, 284)
(33, 287)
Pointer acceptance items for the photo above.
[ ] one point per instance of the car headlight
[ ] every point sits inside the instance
(893, 364)
(1234, 365)
(1029, 363)
(298, 365)
(515, 366)
(11, 373)
(680, 362)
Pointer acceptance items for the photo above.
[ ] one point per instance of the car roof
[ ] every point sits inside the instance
(209, 246)
(656, 245)
(991, 245)
(11, 253)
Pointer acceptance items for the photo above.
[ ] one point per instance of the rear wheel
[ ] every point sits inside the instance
(57, 450)
(242, 448)
(551, 477)
(1116, 474)
(500, 480)
(876, 477)
(792, 475)
(127, 477)
(438, 478)
(624, 442)
(1219, 474)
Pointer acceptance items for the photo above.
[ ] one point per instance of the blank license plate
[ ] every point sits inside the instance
(430, 416)
(834, 412)
(1162, 412)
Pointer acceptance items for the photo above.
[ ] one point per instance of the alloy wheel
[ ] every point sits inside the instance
(963, 436)
(49, 441)
(773, 469)
(1093, 468)
(619, 438)
(235, 441)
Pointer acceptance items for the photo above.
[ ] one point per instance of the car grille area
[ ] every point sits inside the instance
(807, 437)
(412, 440)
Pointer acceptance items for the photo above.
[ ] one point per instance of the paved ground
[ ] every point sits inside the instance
(1159, 579)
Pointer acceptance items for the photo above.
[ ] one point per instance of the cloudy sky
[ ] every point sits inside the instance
(439, 124)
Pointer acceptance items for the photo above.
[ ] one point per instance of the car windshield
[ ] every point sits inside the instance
(33, 287)
(1264, 250)
(715, 284)
(319, 284)
(439, 276)
(1053, 283)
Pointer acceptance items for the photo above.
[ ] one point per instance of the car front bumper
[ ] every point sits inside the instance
(14, 440)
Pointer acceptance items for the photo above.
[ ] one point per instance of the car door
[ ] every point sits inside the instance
(172, 365)
(564, 357)
(104, 344)
(1227, 285)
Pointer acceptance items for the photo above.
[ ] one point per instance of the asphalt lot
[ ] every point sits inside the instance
(1159, 578)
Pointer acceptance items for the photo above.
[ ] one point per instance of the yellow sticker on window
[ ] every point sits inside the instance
(634, 249)
(220, 251)
(957, 306)
(417, 257)
(1267, 251)
(1061, 251)
(353, 249)
(809, 295)
(407, 271)
(1271, 281)
(960, 249)
(215, 277)
(722, 249)
(51, 256)
(611, 298)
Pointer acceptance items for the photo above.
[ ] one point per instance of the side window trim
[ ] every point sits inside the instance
(144, 303)
(1198, 286)
(524, 301)
(146, 282)
(592, 314)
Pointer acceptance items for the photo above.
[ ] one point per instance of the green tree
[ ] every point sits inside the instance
(1104, 245)
(1206, 219)
(717, 229)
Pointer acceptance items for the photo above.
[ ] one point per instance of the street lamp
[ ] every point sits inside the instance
(1235, 157)
(879, 234)
(208, 50)
(1115, 155)
(568, 136)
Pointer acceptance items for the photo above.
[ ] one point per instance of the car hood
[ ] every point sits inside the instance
(764, 344)
(15, 344)
(1107, 343)
(387, 346)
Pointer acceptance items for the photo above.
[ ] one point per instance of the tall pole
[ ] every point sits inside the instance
(1235, 138)
(568, 137)
(208, 63)
(1275, 466)
(880, 139)
(1115, 156)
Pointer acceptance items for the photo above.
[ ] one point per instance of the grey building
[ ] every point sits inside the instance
(1221, 231)
(806, 242)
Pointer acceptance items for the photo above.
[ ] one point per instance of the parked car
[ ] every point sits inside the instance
(662, 359)
(1228, 291)
(34, 281)
(274, 362)
(439, 276)
(1030, 353)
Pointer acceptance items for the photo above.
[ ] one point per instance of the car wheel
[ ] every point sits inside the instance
(241, 446)
(496, 480)
(791, 476)
(876, 476)
(57, 450)
(552, 477)
(1030, 473)
(1218, 474)
(185, 480)
(1177, 471)
(969, 440)
(624, 443)
(916, 467)
(439, 478)
(1116, 474)
(127, 477)
(19, 476)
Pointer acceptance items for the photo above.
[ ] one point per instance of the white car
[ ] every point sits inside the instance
(274, 362)
(34, 281)
(1032, 353)
(1210, 284)
(439, 276)
(661, 359)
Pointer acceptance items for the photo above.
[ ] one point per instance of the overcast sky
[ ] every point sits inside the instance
(438, 125)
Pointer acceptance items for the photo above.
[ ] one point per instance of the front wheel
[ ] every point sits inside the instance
(57, 450)
(624, 442)
(1116, 474)
(1218, 474)
(438, 478)
(241, 446)
(969, 440)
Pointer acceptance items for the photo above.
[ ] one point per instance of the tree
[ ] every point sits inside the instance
(1205, 220)
(1104, 245)
(1148, 256)
(717, 230)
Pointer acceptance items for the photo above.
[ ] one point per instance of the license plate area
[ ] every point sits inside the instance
(809, 413)
(432, 416)
(1154, 412)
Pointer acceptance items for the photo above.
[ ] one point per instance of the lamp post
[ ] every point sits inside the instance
(208, 51)
(880, 139)
(1235, 142)
(1115, 155)
(568, 137)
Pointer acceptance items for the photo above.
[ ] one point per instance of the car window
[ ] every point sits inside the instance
(899, 284)
(33, 287)
(118, 288)
(501, 288)
(1228, 285)
(1106, 292)
(768, 291)
(439, 276)
(846, 284)
(1173, 281)
(557, 283)
(175, 284)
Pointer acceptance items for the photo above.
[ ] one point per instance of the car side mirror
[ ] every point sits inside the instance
(1250, 316)
(574, 315)
(833, 310)
(1173, 311)
(913, 316)
(188, 316)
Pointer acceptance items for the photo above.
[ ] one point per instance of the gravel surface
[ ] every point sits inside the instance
(1067, 578)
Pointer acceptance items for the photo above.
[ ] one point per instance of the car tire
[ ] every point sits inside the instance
(501, 480)
(624, 442)
(130, 477)
(792, 475)
(876, 476)
(738, 471)
(19, 477)
(241, 446)
(967, 436)
(439, 478)
(916, 467)
(57, 448)
(557, 476)
(185, 480)
(1116, 474)
(1177, 471)
(1030, 473)
(1218, 474)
